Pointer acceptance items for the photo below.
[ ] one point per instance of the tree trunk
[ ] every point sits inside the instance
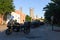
(4, 21)
(1, 19)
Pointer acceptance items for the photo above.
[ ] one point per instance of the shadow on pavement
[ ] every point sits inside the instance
(56, 30)
(33, 37)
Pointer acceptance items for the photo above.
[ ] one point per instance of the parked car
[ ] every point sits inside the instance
(42, 23)
(35, 24)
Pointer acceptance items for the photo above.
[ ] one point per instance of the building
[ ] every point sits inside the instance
(14, 16)
(17, 15)
(32, 13)
(22, 16)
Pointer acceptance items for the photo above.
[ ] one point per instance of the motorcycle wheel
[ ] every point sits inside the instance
(8, 32)
(27, 31)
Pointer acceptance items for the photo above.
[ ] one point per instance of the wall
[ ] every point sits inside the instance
(1, 19)
(22, 16)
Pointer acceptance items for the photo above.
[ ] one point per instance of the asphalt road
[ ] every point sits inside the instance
(41, 33)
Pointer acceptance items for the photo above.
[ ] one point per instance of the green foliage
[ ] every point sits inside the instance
(50, 11)
(28, 18)
(53, 9)
(6, 6)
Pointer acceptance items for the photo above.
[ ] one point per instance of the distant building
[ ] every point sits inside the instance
(32, 13)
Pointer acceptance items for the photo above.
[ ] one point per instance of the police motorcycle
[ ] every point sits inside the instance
(13, 26)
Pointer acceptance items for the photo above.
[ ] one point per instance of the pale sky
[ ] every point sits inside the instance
(38, 6)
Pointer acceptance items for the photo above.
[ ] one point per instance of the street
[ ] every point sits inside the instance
(41, 33)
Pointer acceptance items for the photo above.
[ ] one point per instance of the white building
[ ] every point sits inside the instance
(13, 16)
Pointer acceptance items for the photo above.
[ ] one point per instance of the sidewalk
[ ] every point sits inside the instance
(3, 27)
(53, 35)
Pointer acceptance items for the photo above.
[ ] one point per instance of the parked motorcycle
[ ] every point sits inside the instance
(16, 27)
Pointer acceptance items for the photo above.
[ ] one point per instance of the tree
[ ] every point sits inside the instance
(53, 9)
(49, 11)
(28, 18)
(6, 6)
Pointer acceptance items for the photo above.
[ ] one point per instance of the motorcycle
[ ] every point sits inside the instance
(16, 27)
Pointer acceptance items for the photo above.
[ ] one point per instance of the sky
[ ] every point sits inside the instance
(38, 6)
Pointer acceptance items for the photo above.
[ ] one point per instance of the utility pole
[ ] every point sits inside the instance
(52, 22)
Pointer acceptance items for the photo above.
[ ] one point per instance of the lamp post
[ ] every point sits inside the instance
(52, 22)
